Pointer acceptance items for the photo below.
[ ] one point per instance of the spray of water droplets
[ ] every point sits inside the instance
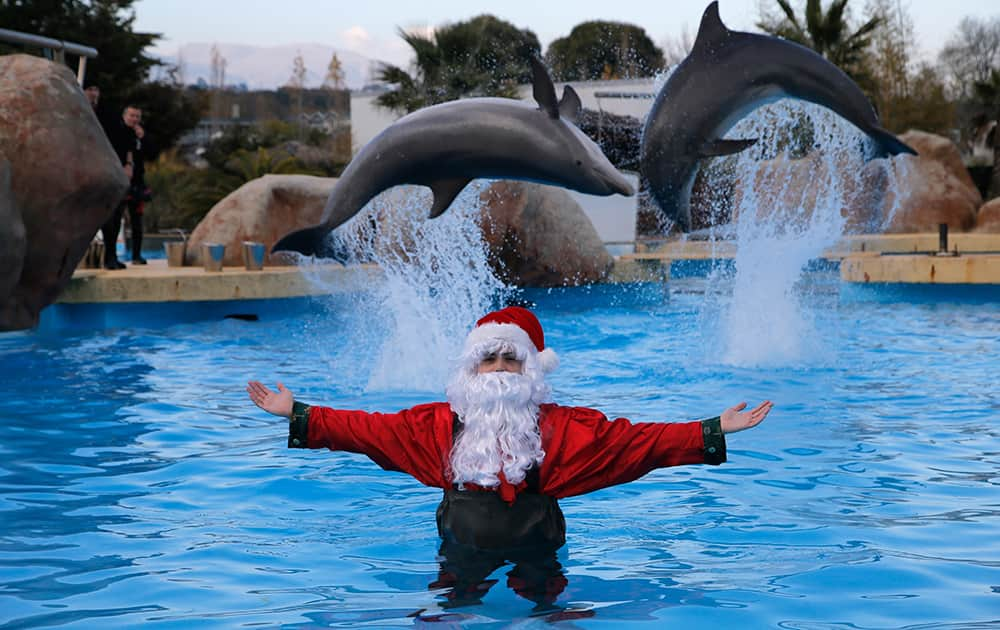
(437, 283)
(792, 190)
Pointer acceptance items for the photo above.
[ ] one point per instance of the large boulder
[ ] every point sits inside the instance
(935, 148)
(988, 217)
(789, 191)
(65, 180)
(262, 210)
(905, 194)
(13, 240)
(930, 188)
(539, 236)
(535, 235)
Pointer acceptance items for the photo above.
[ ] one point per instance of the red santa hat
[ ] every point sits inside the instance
(518, 325)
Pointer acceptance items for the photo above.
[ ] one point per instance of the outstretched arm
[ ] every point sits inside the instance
(278, 403)
(414, 441)
(736, 419)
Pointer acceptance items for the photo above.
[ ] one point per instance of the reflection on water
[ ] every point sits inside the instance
(138, 487)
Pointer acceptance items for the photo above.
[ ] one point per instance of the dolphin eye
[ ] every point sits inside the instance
(579, 162)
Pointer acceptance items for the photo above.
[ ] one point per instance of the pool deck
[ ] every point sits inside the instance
(921, 268)
(889, 258)
(968, 242)
(974, 258)
(156, 282)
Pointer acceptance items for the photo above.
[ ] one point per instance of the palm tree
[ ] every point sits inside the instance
(484, 56)
(828, 33)
(413, 92)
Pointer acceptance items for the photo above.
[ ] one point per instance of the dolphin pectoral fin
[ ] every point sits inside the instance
(445, 191)
(570, 105)
(715, 148)
(543, 91)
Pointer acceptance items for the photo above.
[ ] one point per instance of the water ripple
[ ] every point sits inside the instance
(134, 470)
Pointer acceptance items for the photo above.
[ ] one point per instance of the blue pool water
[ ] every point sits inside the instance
(139, 487)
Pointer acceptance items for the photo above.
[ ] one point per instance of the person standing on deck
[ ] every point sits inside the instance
(504, 454)
(138, 193)
(123, 139)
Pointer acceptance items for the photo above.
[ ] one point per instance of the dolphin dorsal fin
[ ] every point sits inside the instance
(711, 30)
(544, 92)
(445, 191)
(570, 105)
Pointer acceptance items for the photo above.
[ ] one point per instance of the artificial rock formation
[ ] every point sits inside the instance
(539, 236)
(930, 188)
(988, 217)
(65, 180)
(262, 210)
(789, 190)
(13, 241)
(901, 195)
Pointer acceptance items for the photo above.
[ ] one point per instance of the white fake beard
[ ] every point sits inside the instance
(499, 415)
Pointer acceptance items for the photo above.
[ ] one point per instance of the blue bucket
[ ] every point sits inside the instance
(253, 255)
(212, 255)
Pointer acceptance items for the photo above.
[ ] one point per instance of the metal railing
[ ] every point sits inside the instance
(55, 49)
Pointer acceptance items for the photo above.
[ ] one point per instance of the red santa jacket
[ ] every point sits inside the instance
(584, 451)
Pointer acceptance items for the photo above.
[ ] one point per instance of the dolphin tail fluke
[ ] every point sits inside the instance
(309, 242)
(888, 144)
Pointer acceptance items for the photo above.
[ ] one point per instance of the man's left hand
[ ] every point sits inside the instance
(736, 419)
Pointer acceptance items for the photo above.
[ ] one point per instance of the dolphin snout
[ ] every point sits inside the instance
(618, 183)
(623, 187)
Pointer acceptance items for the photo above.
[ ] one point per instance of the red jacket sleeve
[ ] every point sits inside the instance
(584, 451)
(415, 441)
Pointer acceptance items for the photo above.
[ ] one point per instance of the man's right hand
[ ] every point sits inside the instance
(278, 403)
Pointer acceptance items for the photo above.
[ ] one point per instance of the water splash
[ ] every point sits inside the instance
(438, 282)
(896, 172)
(791, 202)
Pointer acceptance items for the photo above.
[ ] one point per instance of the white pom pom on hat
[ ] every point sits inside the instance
(518, 325)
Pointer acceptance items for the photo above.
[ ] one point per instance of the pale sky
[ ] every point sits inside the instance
(370, 27)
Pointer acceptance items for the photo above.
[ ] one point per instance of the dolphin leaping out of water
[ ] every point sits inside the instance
(446, 146)
(727, 75)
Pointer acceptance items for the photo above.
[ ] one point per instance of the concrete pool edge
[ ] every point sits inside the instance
(156, 282)
(861, 258)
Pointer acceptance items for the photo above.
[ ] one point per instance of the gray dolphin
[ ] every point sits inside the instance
(446, 146)
(727, 75)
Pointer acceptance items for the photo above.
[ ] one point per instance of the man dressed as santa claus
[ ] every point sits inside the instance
(504, 454)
